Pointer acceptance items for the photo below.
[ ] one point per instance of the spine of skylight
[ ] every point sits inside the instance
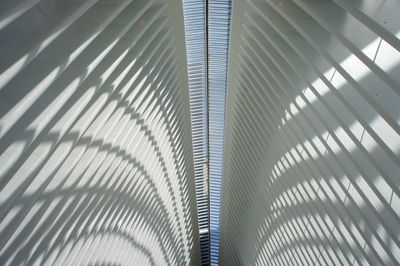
(196, 46)
(219, 12)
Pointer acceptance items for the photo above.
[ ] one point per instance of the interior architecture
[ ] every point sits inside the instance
(200, 132)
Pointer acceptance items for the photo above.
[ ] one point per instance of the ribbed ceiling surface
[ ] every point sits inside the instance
(96, 164)
(112, 128)
(311, 166)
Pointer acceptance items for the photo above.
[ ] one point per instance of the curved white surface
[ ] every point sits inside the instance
(96, 163)
(312, 145)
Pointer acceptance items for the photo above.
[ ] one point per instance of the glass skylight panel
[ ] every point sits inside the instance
(196, 47)
(218, 40)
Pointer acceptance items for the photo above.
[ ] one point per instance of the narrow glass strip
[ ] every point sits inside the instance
(219, 12)
(196, 48)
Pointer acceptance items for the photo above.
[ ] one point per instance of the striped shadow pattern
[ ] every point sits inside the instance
(196, 49)
(312, 139)
(96, 163)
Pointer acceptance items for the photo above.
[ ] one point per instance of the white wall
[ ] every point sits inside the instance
(96, 161)
(312, 137)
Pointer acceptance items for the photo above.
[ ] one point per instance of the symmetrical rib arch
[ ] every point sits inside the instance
(96, 163)
(97, 160)
(312, 143)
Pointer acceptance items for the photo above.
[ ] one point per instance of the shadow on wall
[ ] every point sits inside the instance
(313, 149)
(94, 135)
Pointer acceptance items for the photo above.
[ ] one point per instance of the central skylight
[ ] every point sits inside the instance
(207, 36)
(219, 12)
(196, 47)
